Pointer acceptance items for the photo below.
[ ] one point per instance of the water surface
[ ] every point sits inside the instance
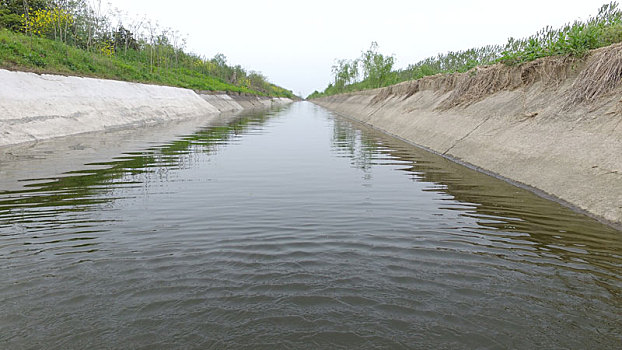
(293, 229)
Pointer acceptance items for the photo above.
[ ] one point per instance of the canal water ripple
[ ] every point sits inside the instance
(295, 228)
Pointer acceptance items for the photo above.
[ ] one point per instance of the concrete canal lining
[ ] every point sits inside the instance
(546, 124)
(36, 107)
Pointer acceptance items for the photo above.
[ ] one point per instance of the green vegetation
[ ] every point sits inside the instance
(376, 69)
(574, 39)
(70, 37)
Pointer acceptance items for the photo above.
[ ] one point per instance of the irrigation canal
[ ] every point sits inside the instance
(294, 228)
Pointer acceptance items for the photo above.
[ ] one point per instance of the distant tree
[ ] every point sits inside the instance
(258, 82)
(221, 70)
(53, 23)
(238, 74)
(124, 39)
(22, 7)
(9, 20)
(152, 32)
(220, 59)
(85, 24)
(13, 13)
(345, 72)
(376, 67)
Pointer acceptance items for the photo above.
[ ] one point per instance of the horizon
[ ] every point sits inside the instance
(296, 49)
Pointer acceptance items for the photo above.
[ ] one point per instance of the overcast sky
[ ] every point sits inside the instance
(295, 43)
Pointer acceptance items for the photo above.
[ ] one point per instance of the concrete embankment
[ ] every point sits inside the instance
(554, 124)
(36, 107)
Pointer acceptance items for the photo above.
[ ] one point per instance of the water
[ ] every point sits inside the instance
(291, 229)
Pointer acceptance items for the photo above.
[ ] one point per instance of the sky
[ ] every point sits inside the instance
(295, 43)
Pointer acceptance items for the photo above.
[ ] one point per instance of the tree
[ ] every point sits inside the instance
(152, 31)
(345, 72)
(9, 20)
(22, 7)
(220, 59)
(13, 13)
(124, 39)
(376, 67)
(220, 66)
(53, 23)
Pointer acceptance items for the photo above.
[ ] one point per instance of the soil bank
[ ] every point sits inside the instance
(36, 107)
(554, 124)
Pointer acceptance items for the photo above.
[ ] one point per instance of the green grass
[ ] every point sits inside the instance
(30, 53)
(574, 39)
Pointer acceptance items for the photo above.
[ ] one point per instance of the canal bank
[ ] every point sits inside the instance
(553, 125)
(36, 107)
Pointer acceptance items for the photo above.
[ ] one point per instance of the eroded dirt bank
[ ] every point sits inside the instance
(37, 107)
(554, 124)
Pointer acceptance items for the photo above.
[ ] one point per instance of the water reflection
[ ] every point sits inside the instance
(505, 214)
(53, 202)
(297, 229)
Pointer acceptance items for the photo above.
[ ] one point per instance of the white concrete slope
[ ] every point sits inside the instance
(527, 132)
(36, 107)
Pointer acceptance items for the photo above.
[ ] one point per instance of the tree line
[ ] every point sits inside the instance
(371, 70)
(85, 25)
(572, 39)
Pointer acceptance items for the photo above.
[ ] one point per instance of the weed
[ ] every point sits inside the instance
(48, 56)
(574, 39)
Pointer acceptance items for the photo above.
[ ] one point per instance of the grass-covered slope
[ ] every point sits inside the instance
(36, 54)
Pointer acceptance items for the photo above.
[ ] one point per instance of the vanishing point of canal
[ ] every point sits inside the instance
(291, 228)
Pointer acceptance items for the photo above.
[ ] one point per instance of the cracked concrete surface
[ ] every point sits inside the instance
(563, 153)
(465, 136)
